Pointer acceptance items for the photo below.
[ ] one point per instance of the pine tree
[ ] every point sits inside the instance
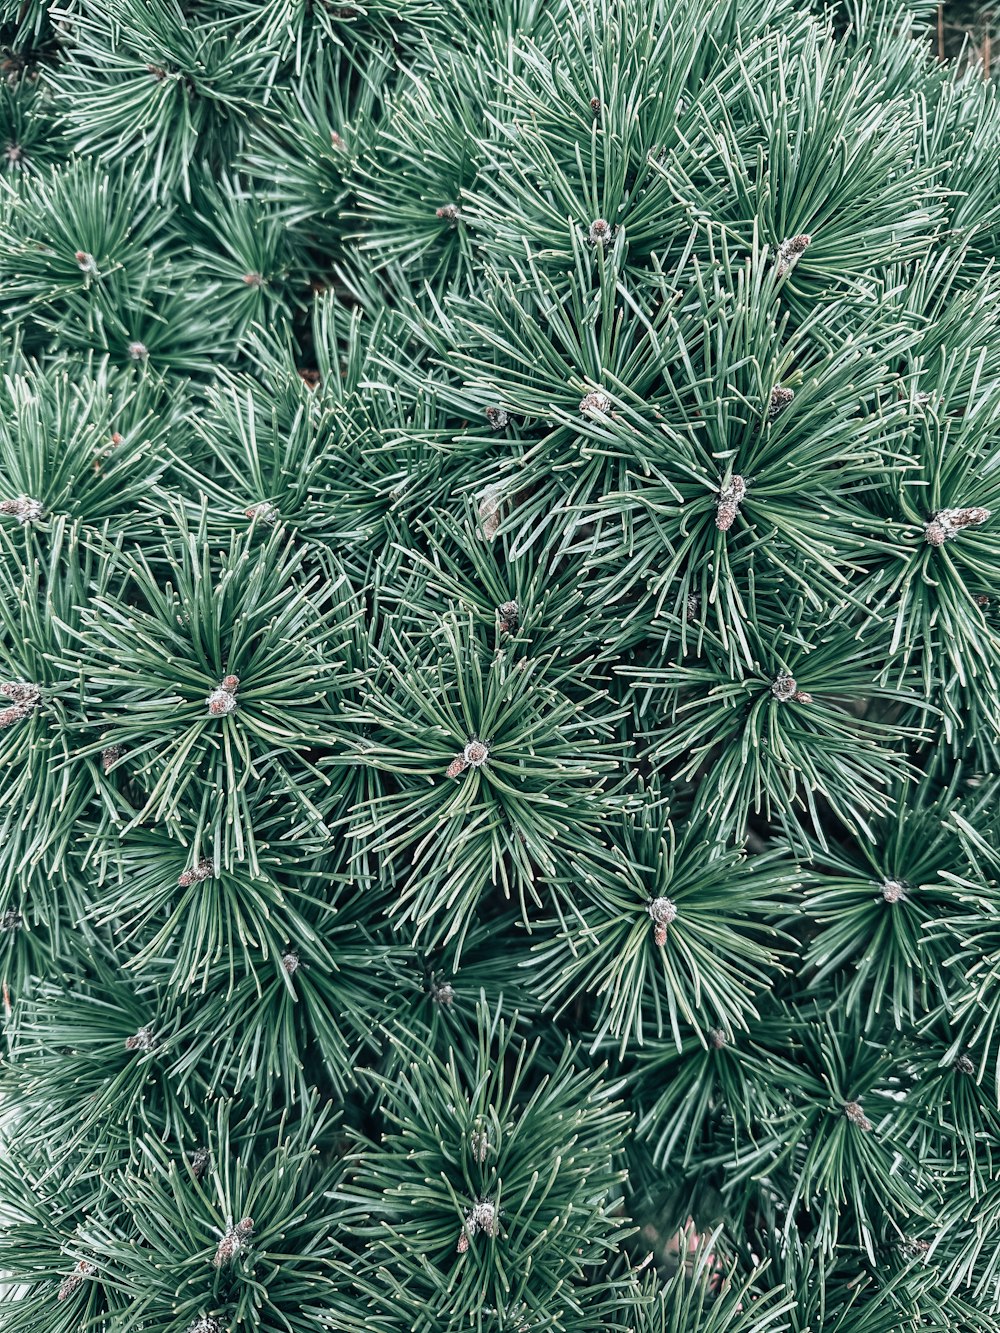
(499, 668)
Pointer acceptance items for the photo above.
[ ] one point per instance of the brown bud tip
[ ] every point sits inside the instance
(230, 684)
(780, 398)
(463, 1244)
(476, 753)
(141, 1040)
(442, 992)
(220, 703)
(510, 616)
(783, 687)
(336, 141)
(199, 1161)
(85, 261)
(16, 713)
(253, 279)
(11, 920)
(110, 756)
(457, 766)
(497, 417)
(479, 1144)
(595, 105)
(291, 962)
(717, 1039)
(244, 1227)
(117, 439)
(597, 401)
(310, 377)
(600, 232)
(157, 71)
(948, 523)
(80, 1273)
(856, 1116)
(447, 212)
(893, 890)
(964, 1065)
(264, 512)
(138, 351)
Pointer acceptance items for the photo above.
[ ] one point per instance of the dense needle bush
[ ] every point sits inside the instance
(499, 668)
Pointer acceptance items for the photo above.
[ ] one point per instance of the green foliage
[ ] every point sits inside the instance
(499, 669)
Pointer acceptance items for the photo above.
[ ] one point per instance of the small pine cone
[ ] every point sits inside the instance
(510, 617)
(230, 684)
(448, 212)
(232, 1242)
(780, 398)
(442, 992)
(86, 262)
(202, 871)
(110, 756)
(142, 1040)
(783, 687)
(597, 401)
(458, 765)
(264, 512)
(717, 1039)
(79, 1275)
(790, 251)
(479, 1144)
(291, 962)
(463, 1243)
(856, 1116)
(893, 890)
(498, 417)
(220, 703)
(600, 232)
(964, 1065)
(138, 351)
(199, 1161)
(476, 753)
(595, 105)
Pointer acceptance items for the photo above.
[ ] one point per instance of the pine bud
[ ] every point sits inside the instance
(311, 378)
(265, 511)
(600, 232)
(597, 401)
(197, 874)
(336, 141)
(730, 498)
(138, 351)
(11, 920)
(87, 263)
(142, 1040)
(253, 279)
(221, 702)
(856, 1116)
(510, 617)
(205, 1325)
(717, 1039)
(481, 1217)
(790, 251)
(497, 417)
(457, 766)
(16, 713)
(964, 1065)
(291, 962)
(947, 523)
(489, 512)
(476, 753)
(442, 992)
(157, 71)
(199, 1161)
(780, 398)
(693, 604)
(230, 684)
(663, 911)
(783, 687)
(23, 508)
(79, 1275)
(14, 154)
(893, 890)
(914, 1247)
(21, 692)
(110, 756)
(595, 105)
(448, 212)
(232, 1242)
(479, 1144)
